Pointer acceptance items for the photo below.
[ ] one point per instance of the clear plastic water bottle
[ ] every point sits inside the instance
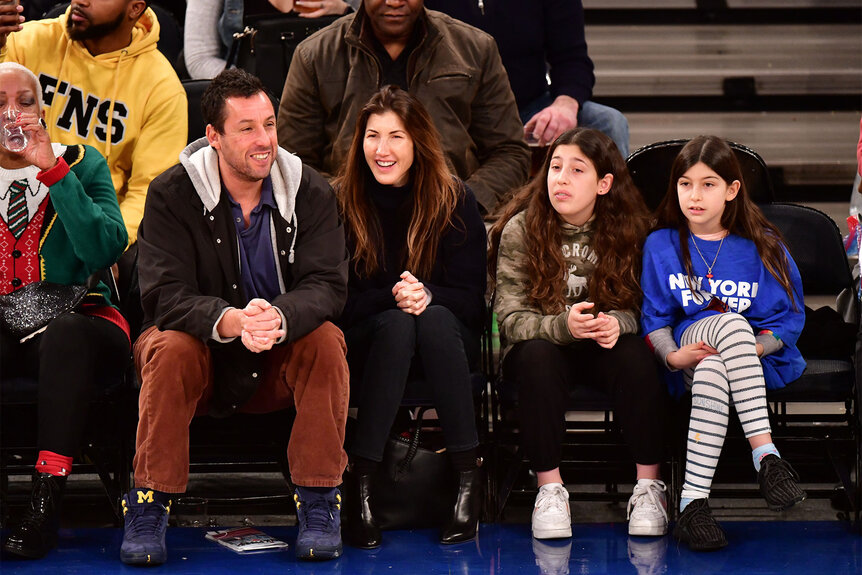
(12, 137)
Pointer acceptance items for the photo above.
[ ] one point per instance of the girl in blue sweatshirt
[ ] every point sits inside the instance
(722, 309)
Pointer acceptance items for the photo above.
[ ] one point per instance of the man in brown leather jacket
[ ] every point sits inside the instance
(452, 68)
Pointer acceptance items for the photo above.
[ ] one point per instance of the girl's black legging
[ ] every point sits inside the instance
(545, 372)
(70, 359)
(381, 351)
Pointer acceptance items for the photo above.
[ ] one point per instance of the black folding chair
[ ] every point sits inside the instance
(593, 451)
(815, 243)
(650, 169)
(194, 90)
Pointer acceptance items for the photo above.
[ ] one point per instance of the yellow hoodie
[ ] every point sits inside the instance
(133, 94)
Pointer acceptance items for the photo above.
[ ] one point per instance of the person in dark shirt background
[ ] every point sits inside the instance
(538, 39)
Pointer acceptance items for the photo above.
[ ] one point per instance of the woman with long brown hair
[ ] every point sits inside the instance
(415, 299)
(722, 310)
(565, 255)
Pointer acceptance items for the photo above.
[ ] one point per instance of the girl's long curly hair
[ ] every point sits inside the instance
(435, 193)
(620, 226)
(741, 216)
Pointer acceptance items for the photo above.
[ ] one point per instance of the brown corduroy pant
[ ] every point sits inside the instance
(175, 370)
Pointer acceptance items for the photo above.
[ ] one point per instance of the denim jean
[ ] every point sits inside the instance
(605, 119)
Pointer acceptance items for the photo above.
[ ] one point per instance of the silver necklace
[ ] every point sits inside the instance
(708, 266)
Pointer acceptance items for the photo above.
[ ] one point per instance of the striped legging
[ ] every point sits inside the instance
(735, 373)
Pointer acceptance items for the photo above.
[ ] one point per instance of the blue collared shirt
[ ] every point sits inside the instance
(258, 272)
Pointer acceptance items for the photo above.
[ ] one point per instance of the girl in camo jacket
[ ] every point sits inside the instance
(565, 255)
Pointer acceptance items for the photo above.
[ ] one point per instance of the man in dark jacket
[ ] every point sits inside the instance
(452, 68)
(242, 265)
(537, 40)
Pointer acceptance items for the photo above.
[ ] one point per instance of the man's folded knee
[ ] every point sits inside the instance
(173, 342)
(327, 339)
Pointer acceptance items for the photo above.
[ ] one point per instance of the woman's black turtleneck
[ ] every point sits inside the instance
(458, 277)
(394, 208)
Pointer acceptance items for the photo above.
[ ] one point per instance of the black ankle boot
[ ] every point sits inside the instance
(362, 531)
(468, 506)
(36, 534)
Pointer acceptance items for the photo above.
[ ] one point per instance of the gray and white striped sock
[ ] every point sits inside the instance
(734, 374)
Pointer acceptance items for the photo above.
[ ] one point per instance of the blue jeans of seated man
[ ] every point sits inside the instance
(605, 119)
(380, 352)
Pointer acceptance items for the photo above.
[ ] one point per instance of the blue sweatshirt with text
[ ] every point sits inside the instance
(740, 282)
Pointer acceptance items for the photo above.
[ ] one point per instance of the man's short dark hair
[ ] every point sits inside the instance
(232, 83)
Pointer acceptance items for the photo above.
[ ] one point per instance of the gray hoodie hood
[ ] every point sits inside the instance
(201, 162)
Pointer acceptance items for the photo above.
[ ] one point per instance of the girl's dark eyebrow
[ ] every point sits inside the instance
(579, 160)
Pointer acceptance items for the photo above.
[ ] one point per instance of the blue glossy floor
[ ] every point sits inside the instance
(755, 547)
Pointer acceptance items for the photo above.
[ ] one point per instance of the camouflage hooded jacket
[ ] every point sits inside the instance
(521, 320)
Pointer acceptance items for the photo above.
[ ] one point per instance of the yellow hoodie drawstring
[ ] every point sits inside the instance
(123, 53)
(55, 107)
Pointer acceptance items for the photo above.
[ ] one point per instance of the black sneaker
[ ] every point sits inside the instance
(146, 521)
(779, 483)
(697, 528)
(319, 518)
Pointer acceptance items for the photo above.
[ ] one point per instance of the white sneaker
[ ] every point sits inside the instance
(552, 517)
(552, 557)
(647, 509)
(648, 556)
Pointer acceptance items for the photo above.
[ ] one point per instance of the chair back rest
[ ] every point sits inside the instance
(170, 36)
(650, 169)
(815, 243)
(194, 90)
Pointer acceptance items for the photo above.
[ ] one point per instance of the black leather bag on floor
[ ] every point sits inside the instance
(265, 48)
(414, 486)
